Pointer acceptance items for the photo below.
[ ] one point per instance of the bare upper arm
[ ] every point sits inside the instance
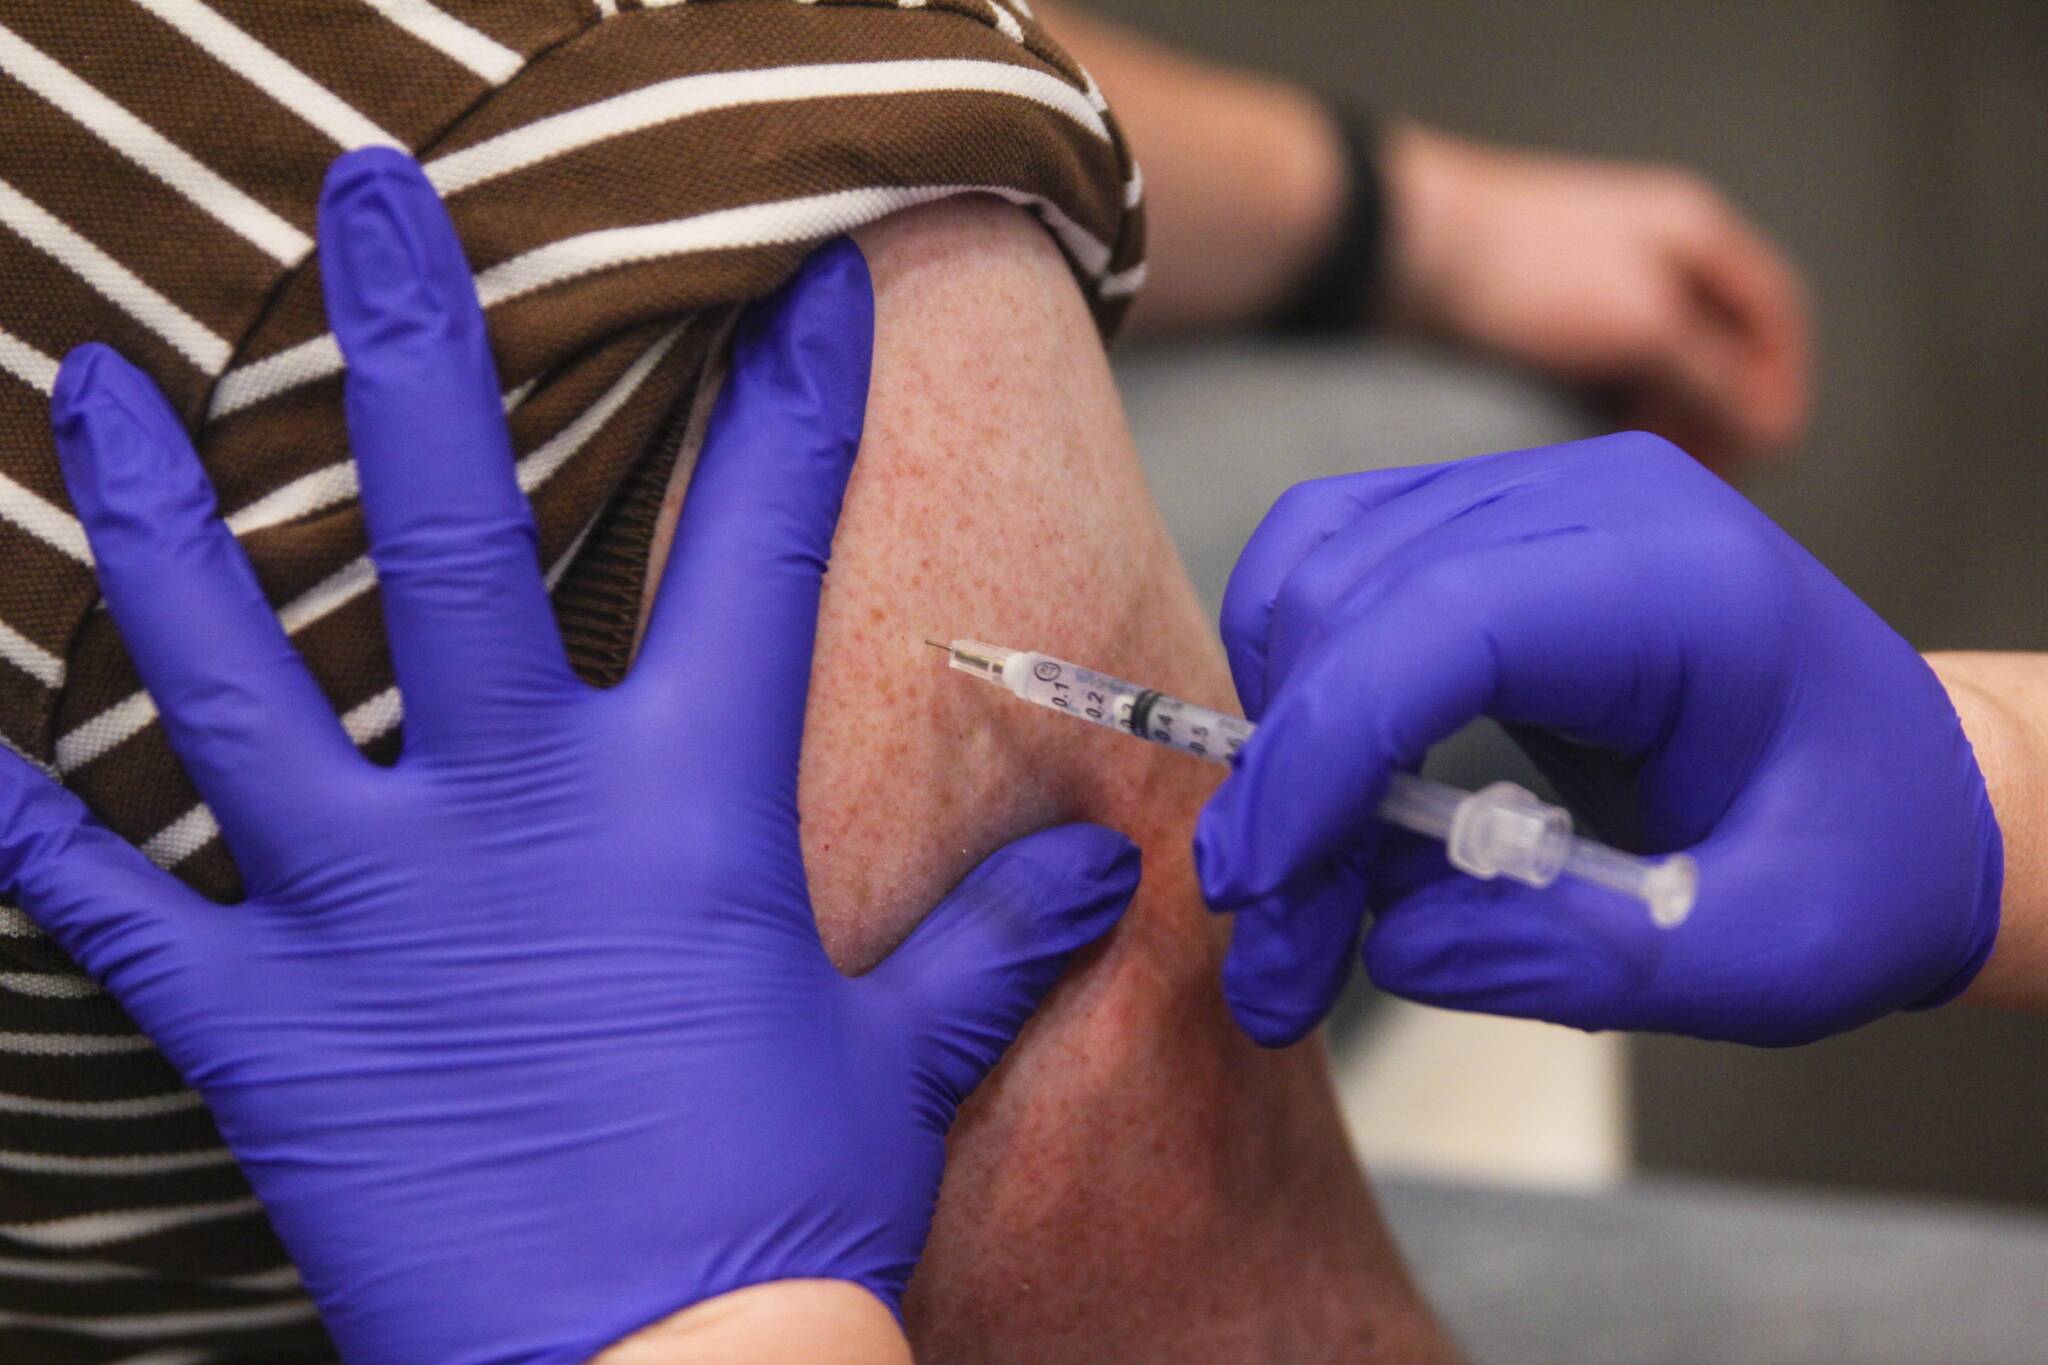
(996, 496)
(1133, 1141)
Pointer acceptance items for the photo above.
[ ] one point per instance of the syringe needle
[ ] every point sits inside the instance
(936, 645)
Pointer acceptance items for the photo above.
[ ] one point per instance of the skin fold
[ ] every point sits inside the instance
(1136, 1181)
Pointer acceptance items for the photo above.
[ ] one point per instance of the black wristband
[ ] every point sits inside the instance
(1342, 292)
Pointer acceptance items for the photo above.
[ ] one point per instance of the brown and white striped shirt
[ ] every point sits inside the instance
(623, 176)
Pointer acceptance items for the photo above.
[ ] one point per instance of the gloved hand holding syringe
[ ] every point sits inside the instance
(1502, 830)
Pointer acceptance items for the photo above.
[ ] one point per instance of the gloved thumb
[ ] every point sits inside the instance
(976, 969)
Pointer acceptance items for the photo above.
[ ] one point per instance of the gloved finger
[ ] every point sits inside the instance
(1567, 953)
(1738, 969)
(977, 968)
(248, 721)
(1303, 517)
(1402, 864)
(112, 910)
(1451, 512)
(1323, 537)
(1547, 630)
(1466, 505)
(1604, 789)
(737, 611)
(453, 539)
(1291, 954)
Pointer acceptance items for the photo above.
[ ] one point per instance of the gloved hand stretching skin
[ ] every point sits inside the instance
(1679, 667)
(529, 1040)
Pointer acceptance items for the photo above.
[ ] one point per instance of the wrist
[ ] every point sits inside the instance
(1309, 175)
(1995, 698)
(1341, 285)
(833, 1320)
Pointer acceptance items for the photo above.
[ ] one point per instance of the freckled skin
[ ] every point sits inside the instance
(1136, 1182)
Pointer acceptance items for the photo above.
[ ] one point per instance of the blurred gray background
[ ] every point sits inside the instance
(1899, 150)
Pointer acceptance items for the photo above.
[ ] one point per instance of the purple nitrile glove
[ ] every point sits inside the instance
(1687, 676)
(529, 1040)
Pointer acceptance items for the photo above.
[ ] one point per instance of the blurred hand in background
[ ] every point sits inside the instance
(1641, 283)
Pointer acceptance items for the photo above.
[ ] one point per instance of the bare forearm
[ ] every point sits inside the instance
(2003, 702)
(1641, 284)
(1244, 175)
(822, 1320)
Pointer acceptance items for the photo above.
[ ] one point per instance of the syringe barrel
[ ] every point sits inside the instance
(1187, 727)
(1127, 706)
(1418, 804)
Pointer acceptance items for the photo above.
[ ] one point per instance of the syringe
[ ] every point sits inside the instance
(1502, 830)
